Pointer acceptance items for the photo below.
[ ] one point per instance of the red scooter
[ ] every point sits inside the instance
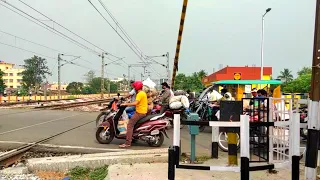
(168, 114)
(150, 129)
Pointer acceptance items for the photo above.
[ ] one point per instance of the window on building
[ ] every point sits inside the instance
(11, 80)
(7, 67)
(19, 80)
(11, 86)
(11, 74)
(5, 74)
(19, 74)
(5, 80)
(18, 87)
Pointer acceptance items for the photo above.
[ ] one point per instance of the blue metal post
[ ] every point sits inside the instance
(193, 148)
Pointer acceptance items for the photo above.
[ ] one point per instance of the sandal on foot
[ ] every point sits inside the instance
(124, 146)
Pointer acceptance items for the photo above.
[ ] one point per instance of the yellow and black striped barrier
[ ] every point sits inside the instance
(176, 58)
(232, 148)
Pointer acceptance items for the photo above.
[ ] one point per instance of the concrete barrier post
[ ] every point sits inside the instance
(245, 147)
(176, 137)
(214, 143)
(171, 163)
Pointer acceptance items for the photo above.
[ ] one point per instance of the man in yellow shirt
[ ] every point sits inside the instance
(141, 104)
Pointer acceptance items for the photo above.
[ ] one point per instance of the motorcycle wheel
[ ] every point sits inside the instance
(223, 137)
(158, 142)
(172, 125)
(304, 134)
(202, 128)
(104, 139)
(100, 118)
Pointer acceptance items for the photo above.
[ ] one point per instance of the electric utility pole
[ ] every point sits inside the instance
(102, 75)
(59, 80)
(314, 118)
(135, 65)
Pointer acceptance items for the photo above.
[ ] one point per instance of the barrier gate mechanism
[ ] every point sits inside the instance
(283, 136)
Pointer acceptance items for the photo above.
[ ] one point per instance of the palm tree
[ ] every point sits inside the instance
(286, 75)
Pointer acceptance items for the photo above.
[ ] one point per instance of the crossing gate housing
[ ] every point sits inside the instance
(277, 128)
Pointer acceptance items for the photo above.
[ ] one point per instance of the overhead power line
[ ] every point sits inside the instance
(67, 29)
(56, 31)
(133, 45)
(48, 27)
(27, 50)
(29, 41)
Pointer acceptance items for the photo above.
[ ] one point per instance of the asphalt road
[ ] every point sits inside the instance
(23, 125)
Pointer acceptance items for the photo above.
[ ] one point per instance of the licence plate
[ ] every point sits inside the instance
(154, 132)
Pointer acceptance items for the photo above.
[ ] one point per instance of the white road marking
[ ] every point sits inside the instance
(40, 124)
(60, 146)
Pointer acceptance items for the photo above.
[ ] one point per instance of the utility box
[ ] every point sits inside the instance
(194, 129)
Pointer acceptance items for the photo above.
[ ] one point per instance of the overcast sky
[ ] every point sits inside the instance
(216, 32)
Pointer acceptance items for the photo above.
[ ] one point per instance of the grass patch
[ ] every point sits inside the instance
(199, 159)
(81, 173)
(71, 97)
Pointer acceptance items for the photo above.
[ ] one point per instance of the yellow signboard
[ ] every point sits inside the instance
(237, 76)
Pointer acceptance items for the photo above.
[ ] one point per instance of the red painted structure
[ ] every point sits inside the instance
(227, 73)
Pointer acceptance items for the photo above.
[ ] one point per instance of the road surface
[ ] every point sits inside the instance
(22, 125)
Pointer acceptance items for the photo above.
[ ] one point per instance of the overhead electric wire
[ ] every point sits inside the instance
(126, 34)
(67, 29)
(120, 27)
(38, 45)
(29, 41)
(130, 46)
(27, 50)
(74, 41)
(37, 23)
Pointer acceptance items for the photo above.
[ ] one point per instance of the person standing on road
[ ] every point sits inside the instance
(141, 106)
(132, 96)
(165, 97)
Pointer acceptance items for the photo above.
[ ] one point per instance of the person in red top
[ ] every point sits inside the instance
(141, 104)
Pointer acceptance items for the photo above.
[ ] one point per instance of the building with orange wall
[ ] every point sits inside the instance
(238, 73)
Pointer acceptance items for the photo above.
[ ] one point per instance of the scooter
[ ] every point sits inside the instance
(150, 129)
(107, 112)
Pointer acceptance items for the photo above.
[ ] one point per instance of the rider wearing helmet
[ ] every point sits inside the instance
(141, 104)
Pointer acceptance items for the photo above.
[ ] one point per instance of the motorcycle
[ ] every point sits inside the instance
(169, 113)
(304, 119)
(106, 112)
(150, 129)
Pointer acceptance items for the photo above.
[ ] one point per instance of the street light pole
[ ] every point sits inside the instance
(262, 42)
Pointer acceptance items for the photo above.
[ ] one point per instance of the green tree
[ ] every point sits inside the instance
(302, 84)
(89, 76)
(305, 70)
(35, 72)
(286, 76)
(192, 82)
(75, 88)
(2, 85)
(89, 90)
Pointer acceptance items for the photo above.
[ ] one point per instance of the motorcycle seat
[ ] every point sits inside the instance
(174, 111)
(146, 118)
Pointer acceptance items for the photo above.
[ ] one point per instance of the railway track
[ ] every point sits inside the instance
(33, 101)
(70, 105)
(11, 157)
